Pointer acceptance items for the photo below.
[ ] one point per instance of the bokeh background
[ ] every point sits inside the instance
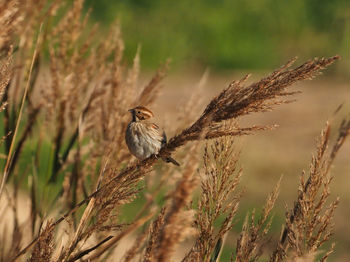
(228, 34)
(232, 38)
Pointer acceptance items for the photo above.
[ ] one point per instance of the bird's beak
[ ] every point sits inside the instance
(130, 110)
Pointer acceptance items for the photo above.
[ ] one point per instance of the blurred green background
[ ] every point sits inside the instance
(228, 34)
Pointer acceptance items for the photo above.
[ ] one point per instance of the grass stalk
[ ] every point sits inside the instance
(10, 157)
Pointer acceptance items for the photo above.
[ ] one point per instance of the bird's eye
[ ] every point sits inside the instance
(139, 112)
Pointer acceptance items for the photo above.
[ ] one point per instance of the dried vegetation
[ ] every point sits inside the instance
(70, 112)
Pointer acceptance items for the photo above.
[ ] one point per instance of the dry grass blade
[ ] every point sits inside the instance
(177, 222)
(89, 250)
(253, 234)
(310, 223)
(9, 157)
(99, 252)
(44, 248)
(153, 237)
(219, 197)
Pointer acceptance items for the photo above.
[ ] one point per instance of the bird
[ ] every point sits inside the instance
(143, 137)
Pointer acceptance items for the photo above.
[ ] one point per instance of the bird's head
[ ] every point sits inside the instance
(140, 113)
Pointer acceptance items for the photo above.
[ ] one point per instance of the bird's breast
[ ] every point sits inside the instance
(142, 141)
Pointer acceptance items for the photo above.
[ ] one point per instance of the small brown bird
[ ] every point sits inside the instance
(143, 137)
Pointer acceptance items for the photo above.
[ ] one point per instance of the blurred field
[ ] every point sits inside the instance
(228, 34)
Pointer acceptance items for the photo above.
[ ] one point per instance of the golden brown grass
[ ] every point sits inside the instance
(310, 223)
(79, 111)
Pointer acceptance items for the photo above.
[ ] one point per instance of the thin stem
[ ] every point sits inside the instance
(9, 156)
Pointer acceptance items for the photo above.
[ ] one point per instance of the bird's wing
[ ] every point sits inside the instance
(164, 138)
(161, 134)
(153, 125)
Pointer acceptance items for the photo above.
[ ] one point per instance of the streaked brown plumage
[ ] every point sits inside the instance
(145, 138)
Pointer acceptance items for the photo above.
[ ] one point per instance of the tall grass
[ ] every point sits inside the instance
(64, 153)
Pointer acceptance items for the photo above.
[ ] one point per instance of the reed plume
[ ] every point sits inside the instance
(309, 224)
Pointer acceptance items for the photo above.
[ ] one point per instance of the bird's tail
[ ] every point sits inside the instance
(171, 160)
